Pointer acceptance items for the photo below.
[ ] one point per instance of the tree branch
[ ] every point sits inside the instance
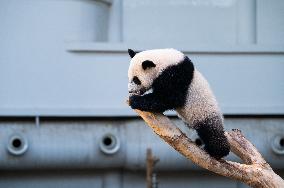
(256, 172)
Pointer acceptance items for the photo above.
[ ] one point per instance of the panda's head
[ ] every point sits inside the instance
(147, 65)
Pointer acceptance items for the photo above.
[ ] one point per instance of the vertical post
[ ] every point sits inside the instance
(246, 22)
(150, 163)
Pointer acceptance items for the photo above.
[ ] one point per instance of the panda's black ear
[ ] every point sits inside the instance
(131, 53)
(148, 64)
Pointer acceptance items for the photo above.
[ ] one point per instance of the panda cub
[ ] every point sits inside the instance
(165, 79)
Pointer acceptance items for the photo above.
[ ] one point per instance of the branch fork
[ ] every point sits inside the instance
(255, 171)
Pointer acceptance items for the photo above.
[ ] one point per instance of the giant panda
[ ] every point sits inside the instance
(166, 79)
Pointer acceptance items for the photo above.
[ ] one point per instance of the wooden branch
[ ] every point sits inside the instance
(256, 172)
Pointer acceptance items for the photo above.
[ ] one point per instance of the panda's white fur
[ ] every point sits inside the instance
(200, 102)
(199, 108)
(162, 58)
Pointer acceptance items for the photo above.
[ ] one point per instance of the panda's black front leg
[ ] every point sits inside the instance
(149, 102)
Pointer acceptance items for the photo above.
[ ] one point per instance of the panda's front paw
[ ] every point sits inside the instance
(133, 101)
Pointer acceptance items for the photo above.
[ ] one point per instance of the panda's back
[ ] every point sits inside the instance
(200, 102)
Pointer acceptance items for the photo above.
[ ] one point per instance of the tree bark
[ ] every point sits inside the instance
(255, 171)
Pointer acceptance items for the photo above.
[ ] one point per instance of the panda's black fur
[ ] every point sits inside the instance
(212, 134)
(170, 91)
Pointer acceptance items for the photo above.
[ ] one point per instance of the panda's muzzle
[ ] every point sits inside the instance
(137, 92)
(135, 89)
(141, 92)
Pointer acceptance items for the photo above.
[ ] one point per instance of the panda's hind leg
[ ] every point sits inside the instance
(212, 134)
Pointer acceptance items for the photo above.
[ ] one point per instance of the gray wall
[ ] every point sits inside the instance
(63, 78)
(69, 57)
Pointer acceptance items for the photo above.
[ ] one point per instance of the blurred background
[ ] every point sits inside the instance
(63, 86)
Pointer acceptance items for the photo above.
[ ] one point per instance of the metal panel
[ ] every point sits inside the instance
(74, 145)
(270, 22)
(129, 179)
(187, 22)
(78, 144)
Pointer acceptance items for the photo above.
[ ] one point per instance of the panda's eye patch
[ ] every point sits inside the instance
(136, 80)
(147, 64)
